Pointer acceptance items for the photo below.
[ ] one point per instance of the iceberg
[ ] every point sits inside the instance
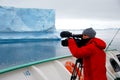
(20, 23)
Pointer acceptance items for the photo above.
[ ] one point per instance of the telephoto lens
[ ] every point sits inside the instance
(65, 34)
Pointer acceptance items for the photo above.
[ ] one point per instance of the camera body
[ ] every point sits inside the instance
(67, 35)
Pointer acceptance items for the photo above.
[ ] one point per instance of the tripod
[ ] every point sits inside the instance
(78, 67)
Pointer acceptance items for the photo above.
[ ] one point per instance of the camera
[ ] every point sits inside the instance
(67, 35)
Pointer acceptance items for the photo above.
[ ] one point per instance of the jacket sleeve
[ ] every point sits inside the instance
(80, 52)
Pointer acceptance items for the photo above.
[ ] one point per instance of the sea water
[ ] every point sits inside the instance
(21, 52)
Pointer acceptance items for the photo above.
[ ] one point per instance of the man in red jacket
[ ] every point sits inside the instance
(93, 55)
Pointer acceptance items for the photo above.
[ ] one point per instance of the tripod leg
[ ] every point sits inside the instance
(74, 74)
(76, 70)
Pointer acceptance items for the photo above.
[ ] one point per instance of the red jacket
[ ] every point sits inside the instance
(94, 58)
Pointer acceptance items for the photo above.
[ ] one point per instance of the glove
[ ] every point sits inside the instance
(64, 42)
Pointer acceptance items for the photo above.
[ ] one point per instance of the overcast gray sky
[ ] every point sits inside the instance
(101, 10)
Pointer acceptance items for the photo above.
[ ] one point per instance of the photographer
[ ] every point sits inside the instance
(92, 53)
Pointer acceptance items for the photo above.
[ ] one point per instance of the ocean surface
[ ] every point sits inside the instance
(20, 52)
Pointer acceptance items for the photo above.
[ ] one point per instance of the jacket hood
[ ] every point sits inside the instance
(99, 43)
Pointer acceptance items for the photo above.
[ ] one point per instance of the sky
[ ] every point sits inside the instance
(86, 23)
(76, 14)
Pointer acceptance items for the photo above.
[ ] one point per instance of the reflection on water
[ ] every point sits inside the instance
(12, 54)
